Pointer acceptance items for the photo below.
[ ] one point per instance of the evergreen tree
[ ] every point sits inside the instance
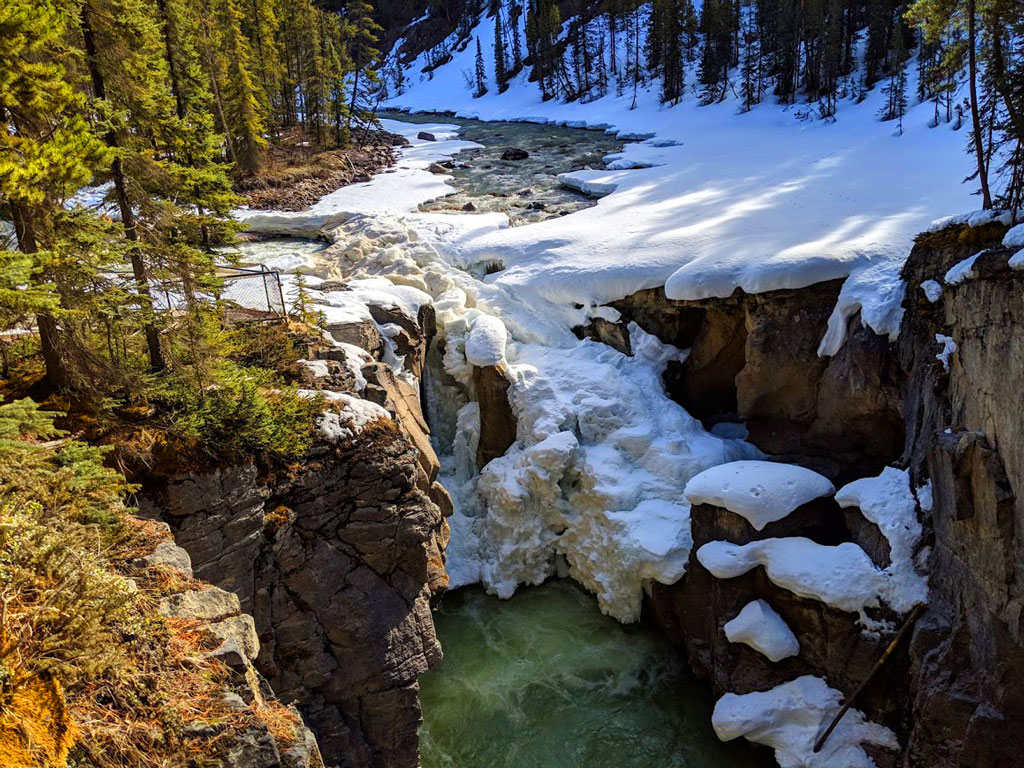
(47, 148)
(363, 54)
(896, 89)
(479, 73)
(500, 68)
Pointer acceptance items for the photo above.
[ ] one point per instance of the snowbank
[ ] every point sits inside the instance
(760, 627)
(759, 491)
(707, 209)
(790, 717)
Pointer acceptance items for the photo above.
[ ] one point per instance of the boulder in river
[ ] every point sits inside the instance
(426, 136)
(514, 153)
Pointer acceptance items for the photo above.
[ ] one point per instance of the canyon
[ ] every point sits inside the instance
(479, 454)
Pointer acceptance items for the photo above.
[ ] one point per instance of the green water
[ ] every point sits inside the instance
(544, 680)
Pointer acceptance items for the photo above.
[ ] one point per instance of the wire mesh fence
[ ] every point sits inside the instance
(254, 289)
(249, 294)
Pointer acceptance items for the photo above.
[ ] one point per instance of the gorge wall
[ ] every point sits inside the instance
(953, 692)
(339, 558)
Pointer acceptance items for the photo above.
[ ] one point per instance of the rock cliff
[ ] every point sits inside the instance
(337, 559)
(954, 693)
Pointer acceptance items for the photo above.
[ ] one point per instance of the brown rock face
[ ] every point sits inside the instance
(694, 611)
(497, 421)
(964, 432)
(338, 564)
(753, 358)
(337, 561)
(955, 692)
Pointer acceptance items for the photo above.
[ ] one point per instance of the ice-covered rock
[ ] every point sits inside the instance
(760, 627)
(760, 491)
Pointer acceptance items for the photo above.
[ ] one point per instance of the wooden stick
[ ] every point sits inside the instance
(878, 665)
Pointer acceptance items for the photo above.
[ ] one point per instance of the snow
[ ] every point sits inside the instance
(876, 291)
(888, 502)
(402, 190)
(317, 367)
(717, 200)
(842, 576)
(962, 270)
(759, 491)
(790, 717)
(932, 290)
(353, 416)
(760, 627)
(1017, 260)
(972, 219)
(381, 292)
(948, 348)
(596, 474)
(485, 345)
(1015, 237)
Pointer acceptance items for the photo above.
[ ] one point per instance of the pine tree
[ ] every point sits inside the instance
(896, 89)
(363, 54)
(479, 73)
(47, 148)
(500, 68)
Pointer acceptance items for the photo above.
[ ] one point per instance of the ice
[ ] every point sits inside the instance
(760, 627)
(932, 290)
(888, 501)
(790, 717)
(759, 491)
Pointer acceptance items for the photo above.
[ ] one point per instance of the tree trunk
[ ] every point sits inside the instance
(156, 359)
(57, 375)
(972, 66)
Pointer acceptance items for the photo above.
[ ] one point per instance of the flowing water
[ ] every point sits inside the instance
(526, 190)
(544, 680)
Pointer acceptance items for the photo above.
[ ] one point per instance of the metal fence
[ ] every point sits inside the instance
(255, 289)
(249, 294)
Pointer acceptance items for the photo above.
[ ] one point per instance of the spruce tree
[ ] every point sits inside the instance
(479, 73)
(500, 68)
(47, 149)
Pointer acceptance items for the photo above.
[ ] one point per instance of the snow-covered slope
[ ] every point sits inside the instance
(760, 201)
